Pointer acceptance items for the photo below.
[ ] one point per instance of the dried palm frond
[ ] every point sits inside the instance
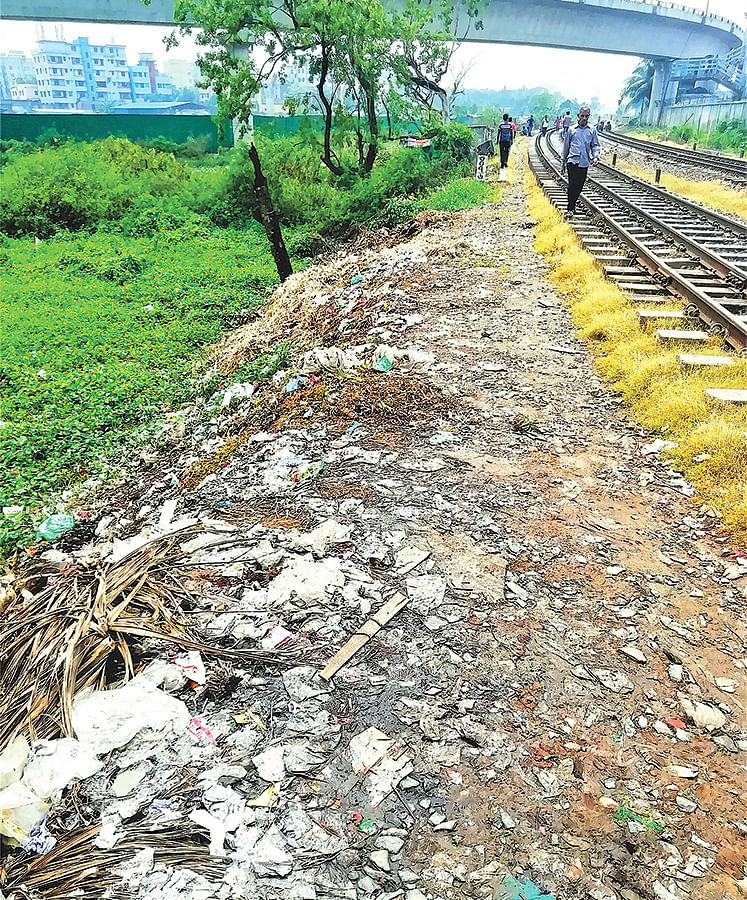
(68, 634)
(76, 868)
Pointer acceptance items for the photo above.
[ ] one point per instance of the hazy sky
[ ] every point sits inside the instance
(574, 73)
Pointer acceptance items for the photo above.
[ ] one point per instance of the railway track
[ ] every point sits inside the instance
(659, 247)
(722, 166)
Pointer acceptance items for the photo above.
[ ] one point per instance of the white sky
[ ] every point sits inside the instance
(570, 72)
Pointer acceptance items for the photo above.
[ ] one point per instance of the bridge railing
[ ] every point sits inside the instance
(727, 69)
(661, 4)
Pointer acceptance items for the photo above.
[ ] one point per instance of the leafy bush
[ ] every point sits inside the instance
(79, 185)
(454, 141)
(396, 211)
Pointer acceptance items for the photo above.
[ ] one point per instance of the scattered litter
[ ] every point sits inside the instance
(625, 813)
(307, 472)
(703, 714)
(103, 720)
(364, 634)
(519, 889)
(191, 666)
(614, 681)
(53, 527)
(381, 760)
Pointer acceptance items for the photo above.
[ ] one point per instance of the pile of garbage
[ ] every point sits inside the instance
(309, 653)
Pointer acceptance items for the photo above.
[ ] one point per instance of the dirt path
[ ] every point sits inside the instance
(566, 684)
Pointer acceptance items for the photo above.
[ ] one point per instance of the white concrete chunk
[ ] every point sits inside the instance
(667, 334)
(727, 396)
(704, 359)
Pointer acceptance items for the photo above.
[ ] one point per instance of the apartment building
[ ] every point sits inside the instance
(295, 82)
(15, 68)
(82, 75)
(183, 74)
(146, 82)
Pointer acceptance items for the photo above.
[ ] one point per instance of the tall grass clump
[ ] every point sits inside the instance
(666, 398)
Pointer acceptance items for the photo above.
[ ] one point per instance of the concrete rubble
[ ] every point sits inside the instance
(557, 711)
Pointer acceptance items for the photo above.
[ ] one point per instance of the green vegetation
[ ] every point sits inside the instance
(729, 136)
(102, 333)
(120, 264)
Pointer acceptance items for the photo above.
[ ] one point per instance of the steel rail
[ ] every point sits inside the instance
(723, 164)
(711, 311)
(713, 260)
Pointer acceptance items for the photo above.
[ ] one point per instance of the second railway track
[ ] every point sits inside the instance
(658, 246)
(728, 167)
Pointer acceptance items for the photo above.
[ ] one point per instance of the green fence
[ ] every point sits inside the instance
(28, 127)
(95, 126)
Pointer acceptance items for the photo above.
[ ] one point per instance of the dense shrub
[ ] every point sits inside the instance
(121, 186)
(80, 184)
(729, 135)
(455, 141)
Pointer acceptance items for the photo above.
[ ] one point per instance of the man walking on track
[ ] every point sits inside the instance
(505, 139)
(580, 149)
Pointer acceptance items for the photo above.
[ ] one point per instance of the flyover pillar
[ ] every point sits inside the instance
(662, 71)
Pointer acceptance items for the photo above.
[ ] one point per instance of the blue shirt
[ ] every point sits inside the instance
(581, 146)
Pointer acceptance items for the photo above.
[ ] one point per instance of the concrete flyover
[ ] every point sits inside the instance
(657, 30)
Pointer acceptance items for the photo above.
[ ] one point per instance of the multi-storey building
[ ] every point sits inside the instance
(15, 68)
(293, 83)
(69, 74)
(59, 74)
(146, 82)
(84, 75)
(182, 73)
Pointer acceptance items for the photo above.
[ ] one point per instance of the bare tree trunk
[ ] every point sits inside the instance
(330, 158)
(369, 96)
(269, 217)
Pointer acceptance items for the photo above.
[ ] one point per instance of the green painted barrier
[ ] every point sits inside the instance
(94, 127)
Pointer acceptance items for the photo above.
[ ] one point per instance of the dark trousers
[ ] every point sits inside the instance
(505, 147)
(576, 178)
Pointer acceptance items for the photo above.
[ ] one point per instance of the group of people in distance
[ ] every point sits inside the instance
(580, 146)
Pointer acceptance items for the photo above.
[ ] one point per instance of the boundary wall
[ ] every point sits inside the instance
(95, 126)
(705, 116)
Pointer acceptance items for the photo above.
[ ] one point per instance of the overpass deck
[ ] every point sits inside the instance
(649, 28)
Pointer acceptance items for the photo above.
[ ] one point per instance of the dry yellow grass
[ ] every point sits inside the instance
(709, 193)
(663, 396)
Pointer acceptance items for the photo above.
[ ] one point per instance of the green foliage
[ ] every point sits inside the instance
(455, 141)
(462, 193)
(637, 87)
(515, 101)
(264, 366)
(101, 334)
(78, 185)
(729, 135)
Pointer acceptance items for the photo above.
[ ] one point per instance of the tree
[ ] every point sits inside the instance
(345, 44)
(636, 90)
(427, 36)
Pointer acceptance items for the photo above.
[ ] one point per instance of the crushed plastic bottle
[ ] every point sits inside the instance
(55, 526)
(382, 364)
(519, 889)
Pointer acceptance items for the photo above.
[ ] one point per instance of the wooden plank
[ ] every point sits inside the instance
(369, 628)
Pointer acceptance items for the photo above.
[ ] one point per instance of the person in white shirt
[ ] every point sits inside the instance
(580, 150)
